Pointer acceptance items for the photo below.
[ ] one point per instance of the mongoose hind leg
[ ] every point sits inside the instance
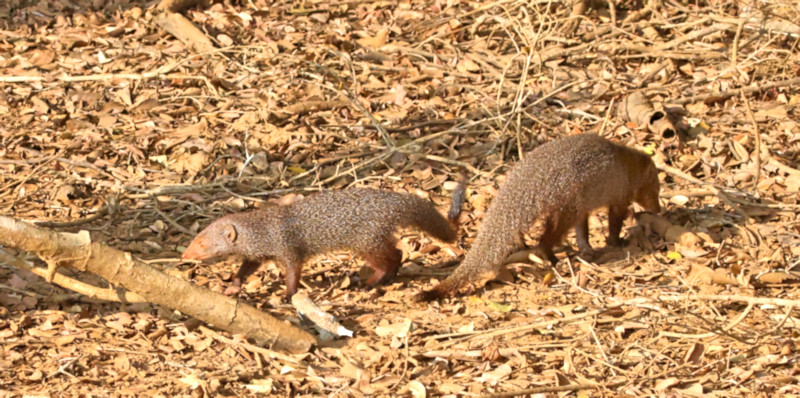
(582, 235)
(556, 226)
(385, 262)
(616, 215)
(246, 269)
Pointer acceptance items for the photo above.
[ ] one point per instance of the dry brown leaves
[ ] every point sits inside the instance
(100, 112)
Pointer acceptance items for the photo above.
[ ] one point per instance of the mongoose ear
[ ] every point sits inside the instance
(230, 233)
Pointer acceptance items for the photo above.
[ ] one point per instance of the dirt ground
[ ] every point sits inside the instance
(111, 125)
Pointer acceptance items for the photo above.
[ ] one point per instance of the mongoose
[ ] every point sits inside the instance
(360, 220)
(560, 183)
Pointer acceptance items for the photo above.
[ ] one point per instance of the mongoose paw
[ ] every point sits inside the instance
(231, 290)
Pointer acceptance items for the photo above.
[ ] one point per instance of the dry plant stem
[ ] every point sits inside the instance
(170, 220)
(726, 328)
(689, 37)
(653, 74)
(630, 19)
(721, 195)
(757, 137)
(74, 223)
(68, 283)
(761, 25)
(103, 77)
(542, 390)
(735, 46)
(249, 347)
(737, 91)
(485, 334)
(721, 297)
(121, 269)
(85, 165)
(578, 387)
(444, 160)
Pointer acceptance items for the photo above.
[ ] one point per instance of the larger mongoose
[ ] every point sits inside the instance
(359, 220)
(560, 183)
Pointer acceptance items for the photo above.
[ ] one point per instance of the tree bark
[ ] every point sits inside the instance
(121, 269)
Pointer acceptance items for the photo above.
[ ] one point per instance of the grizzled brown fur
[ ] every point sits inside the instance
(359, 220)
(559, 182)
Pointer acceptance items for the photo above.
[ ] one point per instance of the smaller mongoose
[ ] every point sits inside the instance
(560, 183)
(363, 221)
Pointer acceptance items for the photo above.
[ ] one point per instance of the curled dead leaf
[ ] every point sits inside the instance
(376, 41)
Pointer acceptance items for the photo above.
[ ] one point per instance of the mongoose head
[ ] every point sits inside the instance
(648, 187)
(253, 234)
(220, 238)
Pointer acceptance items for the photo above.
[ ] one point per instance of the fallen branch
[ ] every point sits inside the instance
(74, 223)
(491, 333)
(721, 195)
(725, 328)
(248, 347)
(72, 284)
(102, 77)
(542, 390)
(720, 297)
(733, 92)
(121, 269)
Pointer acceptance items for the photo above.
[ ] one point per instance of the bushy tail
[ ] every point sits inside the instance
(498, 237)
(480, 266)
(459, 196)
(425, 217)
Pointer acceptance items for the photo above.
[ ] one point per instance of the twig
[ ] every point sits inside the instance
(737, 91)
(248, 346)
(170, 220)
(541, 390)
(85, 165)
(101, 77)
(74, 223)
(758, 143)
(63, 368)
(735, 46)
(720, 297)
(724, 197)
(444, 160)
(517, 329)
(783, 321)
(726, 328)
(689, 37)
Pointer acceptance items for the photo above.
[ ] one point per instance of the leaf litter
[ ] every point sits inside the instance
(112, 126)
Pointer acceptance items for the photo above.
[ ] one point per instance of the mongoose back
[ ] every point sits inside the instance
(560, 183)
(359, 220)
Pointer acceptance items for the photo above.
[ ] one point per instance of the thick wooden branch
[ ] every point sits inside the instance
(72, 284)
(121, 269)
